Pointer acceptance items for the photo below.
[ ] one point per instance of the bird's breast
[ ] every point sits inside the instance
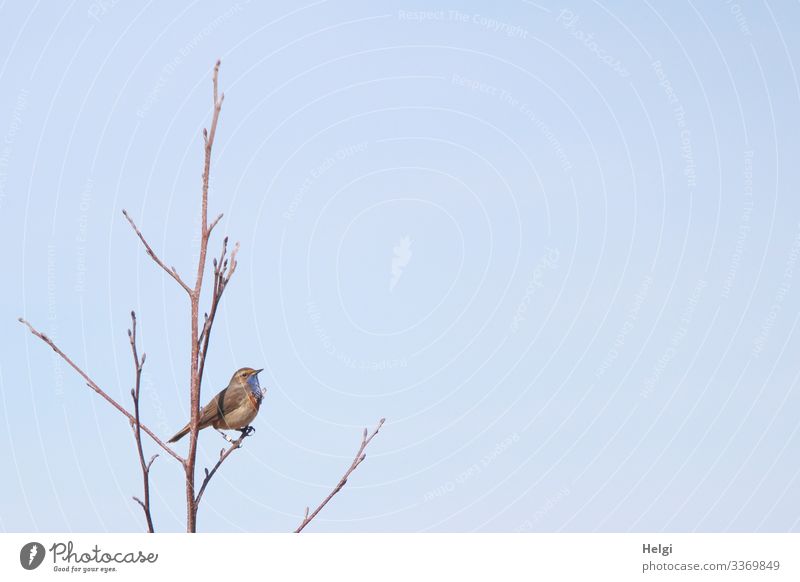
(239, 417)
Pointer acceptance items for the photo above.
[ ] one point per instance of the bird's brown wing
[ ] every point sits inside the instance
(213, 410)
(227, 400)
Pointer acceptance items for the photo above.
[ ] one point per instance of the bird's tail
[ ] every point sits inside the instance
(179, 435)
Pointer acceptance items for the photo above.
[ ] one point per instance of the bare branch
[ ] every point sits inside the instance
(91, 384)
(223, 454)
(359, 458)
(199, 346)
(208, 138)
(215, 297)
(170, 270)
(137, 427)
(221, 279)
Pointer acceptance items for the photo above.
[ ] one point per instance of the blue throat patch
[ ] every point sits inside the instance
(255, 387)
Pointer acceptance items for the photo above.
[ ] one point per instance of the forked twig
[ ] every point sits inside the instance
(137, 427)
(91, 384)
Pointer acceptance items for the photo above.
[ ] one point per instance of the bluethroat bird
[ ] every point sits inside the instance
(234, 408)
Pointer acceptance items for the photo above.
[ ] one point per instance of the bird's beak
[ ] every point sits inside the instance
(258, 371)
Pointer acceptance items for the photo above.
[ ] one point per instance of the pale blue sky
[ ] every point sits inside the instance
(555, 245)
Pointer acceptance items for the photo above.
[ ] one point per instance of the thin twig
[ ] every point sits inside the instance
(223, 454)
(214, 223)
(170, 270)
(221, 278)
(91, 384)
(137, 430)
(359, 458)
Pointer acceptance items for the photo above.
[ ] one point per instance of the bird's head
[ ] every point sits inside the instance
(248, 376)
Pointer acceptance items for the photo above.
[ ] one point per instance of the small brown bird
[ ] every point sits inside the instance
(234, 408)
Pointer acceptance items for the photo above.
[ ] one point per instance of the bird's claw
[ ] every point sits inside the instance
(247, 431)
